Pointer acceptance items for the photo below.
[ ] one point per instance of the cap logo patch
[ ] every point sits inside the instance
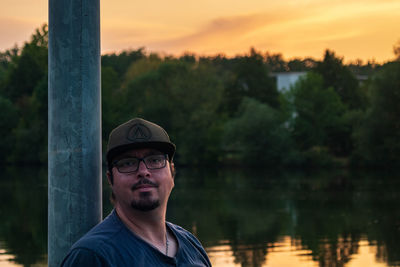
(139, 132)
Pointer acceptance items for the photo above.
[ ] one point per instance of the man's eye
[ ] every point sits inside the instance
(155, 160)
(127, 163)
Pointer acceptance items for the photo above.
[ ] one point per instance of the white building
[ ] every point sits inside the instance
(286, 79)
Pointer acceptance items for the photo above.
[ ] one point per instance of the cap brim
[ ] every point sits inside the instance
(167, 148)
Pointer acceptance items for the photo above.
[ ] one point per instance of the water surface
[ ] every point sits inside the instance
(242, 217)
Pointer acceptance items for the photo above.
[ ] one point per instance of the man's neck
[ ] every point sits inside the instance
(149, 225)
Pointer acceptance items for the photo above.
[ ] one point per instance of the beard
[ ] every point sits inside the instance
(145, 202)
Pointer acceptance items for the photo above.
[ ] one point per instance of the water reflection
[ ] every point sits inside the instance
(326, 213)
(23, 213)
(243, 217)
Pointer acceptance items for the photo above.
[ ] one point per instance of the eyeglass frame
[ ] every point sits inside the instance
(166, 158)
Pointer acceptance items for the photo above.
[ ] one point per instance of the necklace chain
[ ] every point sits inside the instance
(166, 243)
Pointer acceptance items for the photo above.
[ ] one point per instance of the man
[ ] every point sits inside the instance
(141, 174)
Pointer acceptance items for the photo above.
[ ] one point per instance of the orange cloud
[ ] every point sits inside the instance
(297, 31)
(222, 33)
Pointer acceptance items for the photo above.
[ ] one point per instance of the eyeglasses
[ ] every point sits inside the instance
(152, 162)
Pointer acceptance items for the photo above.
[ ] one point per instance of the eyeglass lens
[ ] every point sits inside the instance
(132, 164)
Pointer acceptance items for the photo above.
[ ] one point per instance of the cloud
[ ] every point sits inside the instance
(294, 28)
(224, 31)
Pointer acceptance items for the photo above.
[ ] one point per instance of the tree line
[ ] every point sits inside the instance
(220, 110)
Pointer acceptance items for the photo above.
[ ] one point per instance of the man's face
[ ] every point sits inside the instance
(144, 189)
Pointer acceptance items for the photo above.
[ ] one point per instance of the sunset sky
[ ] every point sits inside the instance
(365, 29)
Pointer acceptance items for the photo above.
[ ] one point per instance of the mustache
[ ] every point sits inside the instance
(142, 182)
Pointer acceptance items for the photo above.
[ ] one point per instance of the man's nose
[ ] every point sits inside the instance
(142, 169)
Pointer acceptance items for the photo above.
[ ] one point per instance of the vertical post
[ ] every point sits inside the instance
(74, 144)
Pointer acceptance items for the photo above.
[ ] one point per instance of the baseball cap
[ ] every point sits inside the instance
(138, 133)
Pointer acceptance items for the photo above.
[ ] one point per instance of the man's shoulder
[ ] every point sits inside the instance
(99, 245)
(182, 232)
(186, 238)
(103, 233)
(190, 247)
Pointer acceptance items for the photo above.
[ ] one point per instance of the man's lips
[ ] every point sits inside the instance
(144, 187)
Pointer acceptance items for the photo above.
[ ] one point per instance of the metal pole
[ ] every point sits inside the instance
(74, 144)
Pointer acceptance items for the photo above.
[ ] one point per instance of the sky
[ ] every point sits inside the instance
(354, 29)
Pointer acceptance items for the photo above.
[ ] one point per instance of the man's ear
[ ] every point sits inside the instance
(172, 167)
(110, 178)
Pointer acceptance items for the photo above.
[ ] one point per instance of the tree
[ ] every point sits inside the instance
(8, 120)
(184, 98)
(25, 86)
(318, 114)
(249, 78)
(30, 132)
(275, 62)
(396, 50)
(297, 64)
(7, 58)
(258, 135)
(121, 62)
(29, 68)
(379, 134)
(109, 86)
(340, 78)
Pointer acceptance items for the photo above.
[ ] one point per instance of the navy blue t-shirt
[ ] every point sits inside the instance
(111, 243)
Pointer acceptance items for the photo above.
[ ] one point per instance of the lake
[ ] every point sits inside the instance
(243, 217)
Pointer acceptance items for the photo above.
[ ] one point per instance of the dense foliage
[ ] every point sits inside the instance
(218, 109)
